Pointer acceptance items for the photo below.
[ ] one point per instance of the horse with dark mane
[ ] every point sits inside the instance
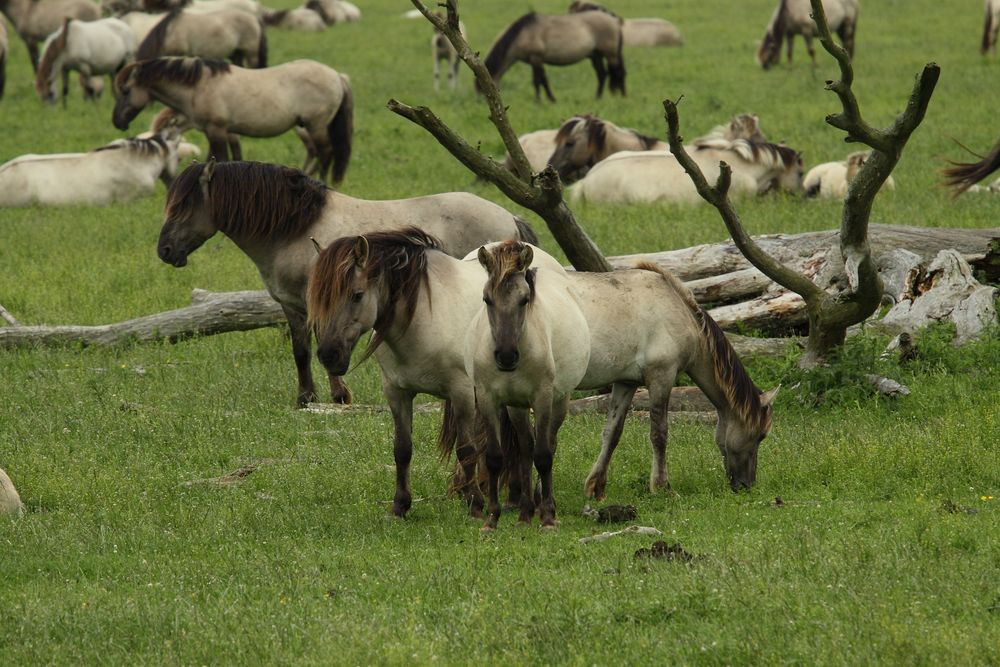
(562, 39)
(223, 101)
(231, 34)
(272, 212)
(794, 17)
(91, 48)
(34, 21)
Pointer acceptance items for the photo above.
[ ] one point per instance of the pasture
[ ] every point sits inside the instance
(884, 549)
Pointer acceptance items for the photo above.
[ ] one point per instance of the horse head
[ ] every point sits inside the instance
(738, 439)
(187, 221)
(578, 141)
(342, 302)
(130, 97)
(508, 292)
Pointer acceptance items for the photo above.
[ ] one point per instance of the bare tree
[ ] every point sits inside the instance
(542, 193)
(850, 301)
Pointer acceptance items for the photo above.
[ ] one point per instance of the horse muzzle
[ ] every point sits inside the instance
(335, 359)
(506, 360)
(169, 257)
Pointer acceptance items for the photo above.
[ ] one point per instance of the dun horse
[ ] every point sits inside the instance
(962, 176)
(386, 282)
(3, 56)
(637, 32)
(794, 17)
(270, 212)
(301, 19)
(224, 34)
(223, 102)
(91, 48)
(991, 25)
(540, 39)
(831, 179)
(442, 50)
(34, 21)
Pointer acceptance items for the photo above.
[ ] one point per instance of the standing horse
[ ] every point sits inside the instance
(124, 169)
(223, 101)
(91, 48)
(34, 21)
(386, 282)
(631, 176)
(443, 50)
(222, 34)
(991, 25)
(562, 39)
(271, 212)
(794, 17)
(528, 347)
(962, 176)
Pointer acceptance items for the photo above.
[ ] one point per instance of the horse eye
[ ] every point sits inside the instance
(356, 297)
(488, 301)
(524, 302)
(570, 144)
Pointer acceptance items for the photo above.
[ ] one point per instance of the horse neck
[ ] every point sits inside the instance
(174, 95)
(618, 139)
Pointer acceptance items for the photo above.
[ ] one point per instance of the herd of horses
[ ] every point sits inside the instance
(454, 292)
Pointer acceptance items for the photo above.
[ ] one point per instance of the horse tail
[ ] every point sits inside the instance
(152, 45)
(498, 53)
(510, 449)
(448, 435)
(616, 71)
(262, 47)
(524, 231)
(987, 28)
(274, 17)
(962, 176)
(341, 132)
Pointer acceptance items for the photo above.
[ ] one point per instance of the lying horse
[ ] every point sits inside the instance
(962, 176)
(637, 32)
(831, 179)
(222, 101)
(91, 48)
(222, 34)
(124, 169)
(630, 176)
(794, 17)
(540, 39)
(301, 19)
(271, 212)
(386, 282)
(34, 21)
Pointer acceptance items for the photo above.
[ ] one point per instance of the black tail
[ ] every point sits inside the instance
(524, 231)
(616, 71)
(262, 48)
(448, 435)
(341, 133)
(963, 175)
(987, 29)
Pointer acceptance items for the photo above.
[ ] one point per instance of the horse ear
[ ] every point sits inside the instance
(767, 398)
(524, 257)
(361, 252)
(485, 258)
(316, 244)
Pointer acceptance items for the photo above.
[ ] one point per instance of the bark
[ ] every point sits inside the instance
(542, 193)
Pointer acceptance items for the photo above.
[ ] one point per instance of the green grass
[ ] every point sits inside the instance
(119, 562)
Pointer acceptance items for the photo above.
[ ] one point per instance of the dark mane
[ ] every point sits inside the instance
(184, 71)
(154, 145)
(249, 199)
(503, 44)
(963, 175)
(578, 6)
(506, 261)
(597, 134)
(152, 45)
(55, 48)
(647, 141)
(397, 261)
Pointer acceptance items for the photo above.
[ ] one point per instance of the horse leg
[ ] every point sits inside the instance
(301, 344)
(466, 454)
(602, 73)
(401, 405)
(546, 423)
(789, 43)
(33, 54)
(659, 399)
(339, 391)
(437, 74)
(217, 144)
(519, 491)
(621, 400)
(234, 146)
(65, 86)
(490, 421)
(846, 33)
(810, 49)
(545, 82)
(453, 74)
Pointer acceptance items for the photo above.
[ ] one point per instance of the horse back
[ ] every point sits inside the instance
(569, 38)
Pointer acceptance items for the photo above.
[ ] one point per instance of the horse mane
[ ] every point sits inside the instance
(152, 45)
(741, 393)
(53, 49)
(752, 151)
(250, 199)
(154, 145)
(397, 260)
(569, 125)
(506, 260)
(183, 71)
(506, 40)
(963, 175)
(578, 6)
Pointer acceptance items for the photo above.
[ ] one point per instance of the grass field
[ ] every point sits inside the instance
(886, 549)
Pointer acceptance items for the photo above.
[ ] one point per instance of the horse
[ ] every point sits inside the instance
(443, 50)
(540, 39)
(270, 212)
(3, 56)
(648, 176)
(991, 25)
(220, 34)
(221, 100)
(794, 17)
(335, 11)
(250, 6)
(528, 347)
(301, 19)
(91, 48)
(637, 32)
(963, 176)
(584, 140)
(386, 282)
(831, 179)
(121, 170)
(169, 121)
(34, 21)
(537, 147)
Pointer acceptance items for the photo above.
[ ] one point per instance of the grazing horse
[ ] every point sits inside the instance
(301, 19)
(335, 11)
(386, 282)
(991, 26)
(34, 21)
(223, 101)
(962, 176)
(528, 347)
(91, 48)
(124, 169)
(270, 212)
(794, 17)
(540, 39)
(443, 50)
(831, 179)
(223, 34)
(647, 176)
(585, 140)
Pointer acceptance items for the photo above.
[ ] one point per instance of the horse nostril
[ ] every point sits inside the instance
(164, 252)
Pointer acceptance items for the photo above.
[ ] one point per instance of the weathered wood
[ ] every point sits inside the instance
(774, 315)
